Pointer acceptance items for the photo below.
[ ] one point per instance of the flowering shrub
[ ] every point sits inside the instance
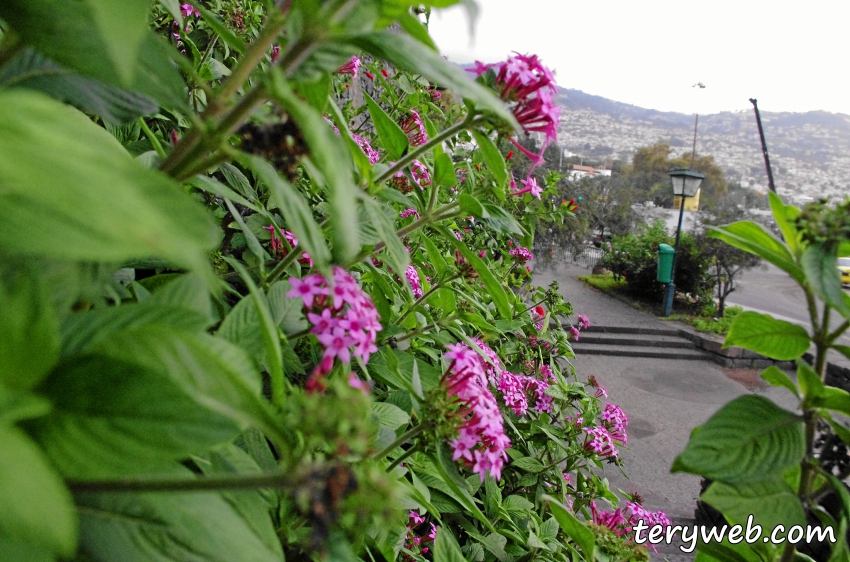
(277, 315)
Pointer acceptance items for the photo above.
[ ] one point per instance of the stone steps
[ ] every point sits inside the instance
(625, 341)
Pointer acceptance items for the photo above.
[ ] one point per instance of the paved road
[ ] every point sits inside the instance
(770, 289)
(664, 399)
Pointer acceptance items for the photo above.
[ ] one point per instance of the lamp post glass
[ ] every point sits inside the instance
(686, 183)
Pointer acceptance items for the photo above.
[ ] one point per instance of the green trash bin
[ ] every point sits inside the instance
(665, 263)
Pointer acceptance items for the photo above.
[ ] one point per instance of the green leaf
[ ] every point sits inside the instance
(458, 486)
(755, 239)
(164, 527)
(434, 256)
(37, 507)
(770, 502)
(389, 415)
(242, 327)
(776, 377)
(250, 238)
(382, 219)
(518, 504)
(492, 157)
(784, 216)
(572, 527)
(446, 547)
(491, 283)
(295, 210)
(114, 418)
(393, 139)
(332, 168)
(18, 405)
(31, 70)
(99, 38)
(286, 311)
(58, 167)
(217, 188)
(749, 439)
(186, 292)
(469, 204)
(408, 54)
(220, 29)
(819, 263)
(30, 333)
(500, 220)
(528, 464)
(85, 329)
(444, 171)
(251, 505)
(832, 398)
(146, 395)
(810, 384)
(764, 334)
(157, 75)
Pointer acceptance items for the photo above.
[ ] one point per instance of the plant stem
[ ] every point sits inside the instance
(427, 294)
(445, 134)
(405, 455)
(406, 436)
(206, 483)
(157, 146)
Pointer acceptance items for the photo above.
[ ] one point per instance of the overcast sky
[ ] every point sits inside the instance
(791, 56)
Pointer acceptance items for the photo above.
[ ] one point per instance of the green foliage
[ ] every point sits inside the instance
(634, 257)
(759, 454)
(719, 326)
(169, 390)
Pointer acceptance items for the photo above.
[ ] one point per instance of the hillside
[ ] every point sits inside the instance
(810, 152)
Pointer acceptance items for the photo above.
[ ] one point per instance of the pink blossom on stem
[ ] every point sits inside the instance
(521, 254)
(481, 442)
(352, 67)
(528, 87)
(599, 441)
(342, 317)
(189, 10)
(530, 187)
(413, 278)
(574, 333)
(415, 129)
(583, 321)
(409, 213)
(275, 53)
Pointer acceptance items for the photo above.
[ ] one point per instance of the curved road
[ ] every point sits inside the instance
(769, 289)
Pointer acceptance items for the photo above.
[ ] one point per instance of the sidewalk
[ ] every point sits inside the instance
(663, 398)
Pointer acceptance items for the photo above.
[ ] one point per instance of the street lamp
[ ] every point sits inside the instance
(686, 183)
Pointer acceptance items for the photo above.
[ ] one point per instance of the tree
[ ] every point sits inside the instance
(651, 165)
(727, 262)
(606, 204)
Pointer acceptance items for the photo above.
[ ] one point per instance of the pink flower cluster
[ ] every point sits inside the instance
(352, 67)
(343, 316)
(409, 213)
(599, 441)
(415, 129)
(482, 440)
(418, 171)
(583, 321)
(413, 278)
(523, 81)
(367, 149)
(621, 521)
(413, 541)
(521, 254)
(189, 10)
(517, 391)
(278, 247)
(616, 422)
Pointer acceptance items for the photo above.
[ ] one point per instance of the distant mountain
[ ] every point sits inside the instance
(810, 152)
